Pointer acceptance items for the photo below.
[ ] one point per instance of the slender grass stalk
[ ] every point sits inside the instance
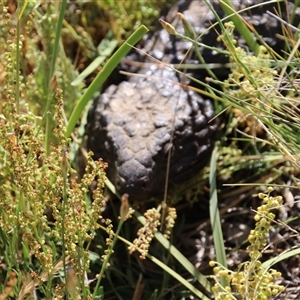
(190, 32)
(23, 9)
(47, 114)
(98, 61)
(239, 24)
(18, 70)
(178, 277)
(18, 55)
(57, 37)
(63, 217)
(295, 251)
(108, 254)
(215, 216)
(103, 75)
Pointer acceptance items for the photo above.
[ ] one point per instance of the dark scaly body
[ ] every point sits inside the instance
(130, 126)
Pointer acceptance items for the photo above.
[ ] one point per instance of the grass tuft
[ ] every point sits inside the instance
(56, 240)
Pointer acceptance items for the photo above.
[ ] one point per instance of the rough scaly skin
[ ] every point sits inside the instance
(130, 125)
(134, 125)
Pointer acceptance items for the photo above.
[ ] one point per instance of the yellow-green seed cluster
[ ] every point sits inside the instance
(44, 205)
(251, 77)
(169, 221)
(251, 83)
(251, 280)
(146, 233)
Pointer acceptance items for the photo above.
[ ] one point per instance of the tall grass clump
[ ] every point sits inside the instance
(46, 220)
(54, 240)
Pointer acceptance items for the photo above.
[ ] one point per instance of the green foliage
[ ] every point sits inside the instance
(53, 239)
(126, 16)
(103, 75)
(46, 221)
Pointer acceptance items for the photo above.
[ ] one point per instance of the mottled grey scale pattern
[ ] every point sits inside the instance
(130, 126)
(136, 120)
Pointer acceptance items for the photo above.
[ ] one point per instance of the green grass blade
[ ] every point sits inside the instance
(178, 277)
(215, 216)
(18, 58)
(184, 262)
(52, 68)
(57, 36)
(179, 256)
(98, 61)
(106, 260)
(103, 75)
(282, 256)
(23, 9)
(64, 210)
(239, 25)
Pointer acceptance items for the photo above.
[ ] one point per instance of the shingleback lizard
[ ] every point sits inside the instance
(134, 125)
